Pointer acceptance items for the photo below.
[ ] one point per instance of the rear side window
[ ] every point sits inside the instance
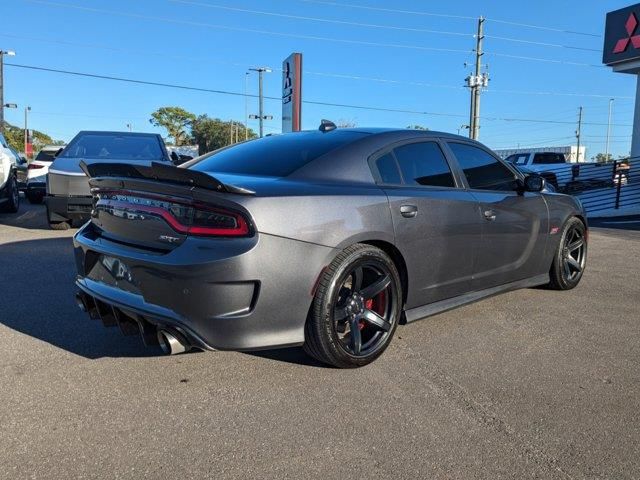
(424, 164)
(388, 169)
(548, 158)
(276, 156)
(518, 159)
(482, 170)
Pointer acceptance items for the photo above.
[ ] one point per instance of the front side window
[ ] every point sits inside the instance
(481, 169)
(518, 158)
(424, 164)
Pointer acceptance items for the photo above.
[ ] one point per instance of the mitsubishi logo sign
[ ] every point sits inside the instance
(630, 26)
(622, 37)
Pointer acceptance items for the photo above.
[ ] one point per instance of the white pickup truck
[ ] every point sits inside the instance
(9, 193)
(564, 176)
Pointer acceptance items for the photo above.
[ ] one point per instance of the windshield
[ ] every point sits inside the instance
(276, 156)
(46, 155)
(114, 146)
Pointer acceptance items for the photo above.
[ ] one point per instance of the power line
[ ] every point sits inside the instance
(318, 19)
(543, 44)
(413, 12)
(167, 55)
(540, 27)
(251, 30)
(389, 10)
(548, 60)
(371, 25)
(310, 102)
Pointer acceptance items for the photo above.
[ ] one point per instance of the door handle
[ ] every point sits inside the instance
(489, 215)
(408, 211)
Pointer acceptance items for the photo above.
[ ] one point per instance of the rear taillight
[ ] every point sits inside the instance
(35, 166)
(182, 215)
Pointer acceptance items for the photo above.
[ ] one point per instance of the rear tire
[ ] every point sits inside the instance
(13, 196)
(570, 258)
(356, 308)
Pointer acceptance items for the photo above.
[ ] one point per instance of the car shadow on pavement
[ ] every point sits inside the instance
(288, 355)
(37, 299)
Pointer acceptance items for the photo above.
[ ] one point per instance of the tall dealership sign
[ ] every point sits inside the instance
(292, 93)
(621, 52)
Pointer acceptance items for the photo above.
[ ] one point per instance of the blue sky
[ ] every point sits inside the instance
(199, 44)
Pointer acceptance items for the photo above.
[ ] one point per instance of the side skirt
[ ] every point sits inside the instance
(450, 303)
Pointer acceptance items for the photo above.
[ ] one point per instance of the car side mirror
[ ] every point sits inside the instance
(175, 158)
(533, 183)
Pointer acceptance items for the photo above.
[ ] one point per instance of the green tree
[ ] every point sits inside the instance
(15, 137)
(213, 133)
(176, 121)
(416, 127)
(602, 157)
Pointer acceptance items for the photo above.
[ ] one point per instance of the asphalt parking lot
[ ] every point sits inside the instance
(530, 384)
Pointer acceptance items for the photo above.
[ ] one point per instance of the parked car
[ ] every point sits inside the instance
(68, 197)
(551, 181)
(37, 173)
(327, 239)
(532, 160)
(22, 166)
(9, 192)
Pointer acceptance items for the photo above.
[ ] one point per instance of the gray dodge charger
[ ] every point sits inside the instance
(327, 239)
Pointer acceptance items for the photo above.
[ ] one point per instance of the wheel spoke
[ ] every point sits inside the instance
(575, 245)
(376, 320)
(356, 338)
(565, 267)
(376, 287)
(574, 263)
(356, 284)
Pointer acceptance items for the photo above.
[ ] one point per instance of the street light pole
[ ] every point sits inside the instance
(11, 53)
(246, 106)
(27, 109)
(606, 155)
(261, 116)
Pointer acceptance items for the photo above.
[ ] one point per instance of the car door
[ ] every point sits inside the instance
(436, 223)
(515, 223)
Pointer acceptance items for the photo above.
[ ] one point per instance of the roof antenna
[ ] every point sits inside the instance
(326, 126)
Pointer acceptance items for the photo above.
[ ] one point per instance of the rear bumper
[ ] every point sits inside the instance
(221, 294)
(67, 208)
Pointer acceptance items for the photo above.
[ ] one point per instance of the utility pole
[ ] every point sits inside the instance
(261, 116)
(579, 133)
(476, 83)
(231, 132)
(11, 53)
(26, 128)
(246, 107)
(606, 154)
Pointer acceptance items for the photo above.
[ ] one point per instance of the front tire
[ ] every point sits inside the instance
(356, 308)
(570, 258)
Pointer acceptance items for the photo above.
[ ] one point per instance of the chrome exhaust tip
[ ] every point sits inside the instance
(172, 343)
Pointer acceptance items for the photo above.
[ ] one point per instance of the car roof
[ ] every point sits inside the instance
(114, 132)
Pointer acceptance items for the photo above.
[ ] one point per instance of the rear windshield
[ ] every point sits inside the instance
(548, 158)
(114, 146)
(46, 155)
(276, 156)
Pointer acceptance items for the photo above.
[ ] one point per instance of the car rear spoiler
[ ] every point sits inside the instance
(161, 172)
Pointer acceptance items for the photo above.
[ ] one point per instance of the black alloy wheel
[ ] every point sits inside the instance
(570, 260)
(356, 309)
